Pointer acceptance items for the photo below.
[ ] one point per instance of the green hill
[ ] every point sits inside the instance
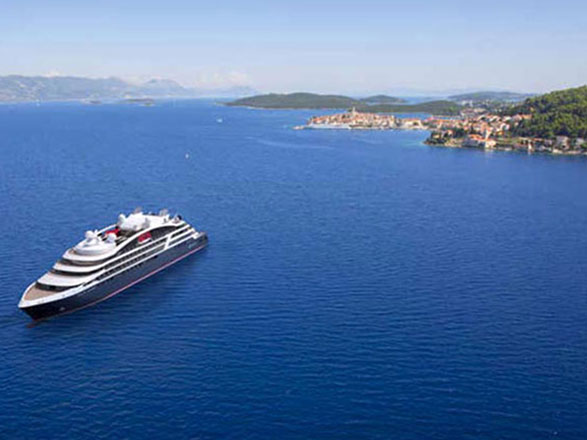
(558, 113)
(377, 104)
(440, 108)
(295, 100)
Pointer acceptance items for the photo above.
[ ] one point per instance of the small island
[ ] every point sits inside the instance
(370, 104)
(311, 101)
(147, 102)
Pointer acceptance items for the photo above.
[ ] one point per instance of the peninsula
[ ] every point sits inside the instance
(553, 123)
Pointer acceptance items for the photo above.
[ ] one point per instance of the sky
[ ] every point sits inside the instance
(352, 47)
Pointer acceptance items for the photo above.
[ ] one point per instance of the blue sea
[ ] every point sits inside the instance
(358, 285)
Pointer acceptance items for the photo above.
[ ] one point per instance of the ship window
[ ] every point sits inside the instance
(73, 274)
(122, 267)
(81, 263)
(51, 288)
(180, 231)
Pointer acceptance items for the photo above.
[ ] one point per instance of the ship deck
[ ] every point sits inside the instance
(35, 293)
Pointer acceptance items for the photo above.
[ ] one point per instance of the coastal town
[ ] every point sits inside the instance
(474, 128)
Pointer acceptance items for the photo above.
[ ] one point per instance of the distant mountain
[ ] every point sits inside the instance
(17, 88)
(38, 88)
(228, 92)
(382, 99)
(164, 87)
(490, 97)
(310, 100)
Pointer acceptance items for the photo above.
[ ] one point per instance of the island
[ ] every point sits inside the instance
(311, 101)
(554, 123)
(147, 102)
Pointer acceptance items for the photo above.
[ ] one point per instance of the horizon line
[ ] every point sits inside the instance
(401, 90)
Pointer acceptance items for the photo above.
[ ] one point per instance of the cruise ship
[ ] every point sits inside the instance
(110, 260)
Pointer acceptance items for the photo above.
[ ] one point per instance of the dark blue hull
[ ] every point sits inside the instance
(117, 284)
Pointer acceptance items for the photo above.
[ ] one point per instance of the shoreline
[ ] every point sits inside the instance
(506, 148)
(456, 143)
(475, 130)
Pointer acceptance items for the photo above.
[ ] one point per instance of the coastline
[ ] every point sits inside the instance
(508, 147)
(457, 143)
(471, 130)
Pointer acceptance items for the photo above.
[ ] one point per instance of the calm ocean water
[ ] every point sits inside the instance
(357, 284)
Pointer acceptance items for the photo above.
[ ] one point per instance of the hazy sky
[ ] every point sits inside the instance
(324, 46)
